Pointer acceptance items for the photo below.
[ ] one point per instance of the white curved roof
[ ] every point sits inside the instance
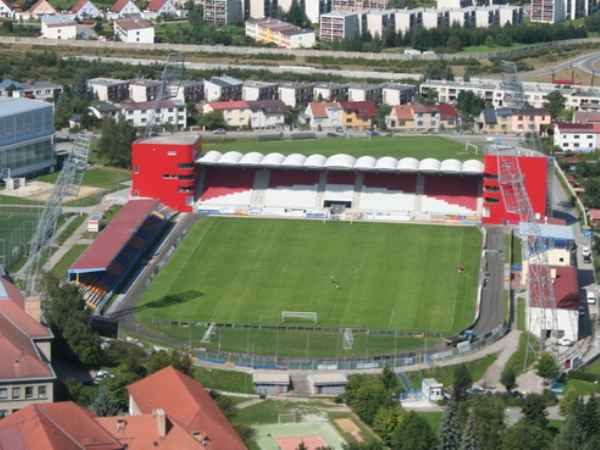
(451, 166)
(230, 158)
(365, 163)
(342, 161)
(429, 165)
(251, 159)
(408, 165)
(273, 159)
(294, 160)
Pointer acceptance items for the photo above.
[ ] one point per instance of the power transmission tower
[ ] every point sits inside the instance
(541, 311)
(67, 184)
(171, 79)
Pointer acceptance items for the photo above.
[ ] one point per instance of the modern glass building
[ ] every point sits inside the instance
(26, 136)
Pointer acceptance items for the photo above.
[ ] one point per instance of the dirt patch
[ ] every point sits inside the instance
(347, 425)
(39, 191)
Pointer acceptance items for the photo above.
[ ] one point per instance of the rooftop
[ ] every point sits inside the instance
(58, 20)
(107, 81)
(547, 231)
(11, 106)
(174, 139)
(271, 378)
(133, 24)
(328, 378)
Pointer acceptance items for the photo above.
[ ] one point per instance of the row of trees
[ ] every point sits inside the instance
(455, 38)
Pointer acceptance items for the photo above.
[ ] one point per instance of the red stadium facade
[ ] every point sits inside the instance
(164, 167)
(174, 169)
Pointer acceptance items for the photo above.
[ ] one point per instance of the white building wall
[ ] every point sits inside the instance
(567, 322)
(305, 40)
(68, 32)
(140, 116)
(581, 141)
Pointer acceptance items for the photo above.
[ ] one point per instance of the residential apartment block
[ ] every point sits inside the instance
(358, 5)
(512, 120)
(134, 30)
(293, 94)
(258, 90)
(337, 25)
(330, 92)
(280, 33)
(422, 118)
(109, 89)
(552, 11)
(169, 111)
(142, 90)
(223, 12)
(577, 137)
(222, 89)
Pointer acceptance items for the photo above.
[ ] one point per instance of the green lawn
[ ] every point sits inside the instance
(99, 177)
(397, 277)
(61, 267)
(419, 147)
(445, 374)
(225, 380)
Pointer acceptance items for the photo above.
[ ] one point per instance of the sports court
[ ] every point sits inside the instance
(289, 436)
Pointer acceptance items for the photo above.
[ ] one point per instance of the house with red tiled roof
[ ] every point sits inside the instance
(323, 115)
(422, 118)
(26, 375)
(400, 118)
(123, 9)
(38, 9)
(6, 9)
(84, 9)
(237, 113)
(68, 426)
(185, 401)
(358, 114)
(159, 8)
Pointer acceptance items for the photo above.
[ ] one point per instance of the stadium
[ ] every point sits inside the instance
(379, 269)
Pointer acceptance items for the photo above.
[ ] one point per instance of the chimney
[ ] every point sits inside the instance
(121, 423)
(33, 307)
(161, 421)
(198, 435)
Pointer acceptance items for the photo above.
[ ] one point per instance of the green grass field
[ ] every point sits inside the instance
(240, 270)
(17, 226)
(419, 147)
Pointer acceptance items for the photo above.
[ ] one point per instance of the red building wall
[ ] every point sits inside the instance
(535, 172)
(164, 168)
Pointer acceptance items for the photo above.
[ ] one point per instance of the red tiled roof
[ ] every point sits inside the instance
(133, 24)
(362, 109)
(11, 437)
(80, 4)
(594, 214)
(117, 7)
(64, 426)
(319, 109)
(447, 111)
(566, 287)
(141, 433)
(155, 5)
(37, 4)
(235, 104)
(574, 127)
(12, 8)
(186, 401)
(403, 112)
(116, 234)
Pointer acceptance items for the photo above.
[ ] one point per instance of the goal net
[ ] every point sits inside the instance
(286, 418)
(348, 339)
(357, 135)
(210, 330)
(298, 315)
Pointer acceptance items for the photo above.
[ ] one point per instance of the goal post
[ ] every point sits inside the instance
(298, 315)
(286, 418)
(210, 330)
(348, 339)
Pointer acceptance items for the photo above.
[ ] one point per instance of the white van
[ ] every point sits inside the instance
(591, 297)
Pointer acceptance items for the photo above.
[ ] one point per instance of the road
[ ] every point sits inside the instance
(586, 63)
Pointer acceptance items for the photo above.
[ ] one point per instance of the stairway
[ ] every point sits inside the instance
(300, 385)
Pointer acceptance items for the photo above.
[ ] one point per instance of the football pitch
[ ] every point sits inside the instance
(17, 226)
(391, 276)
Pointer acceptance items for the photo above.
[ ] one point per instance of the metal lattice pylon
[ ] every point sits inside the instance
(541, 311)
(171, 80)
(68, 184)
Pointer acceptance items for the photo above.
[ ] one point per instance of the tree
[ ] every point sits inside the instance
(591, 195)
(592, 23)
(130, 354)
(8, 26)
(566, 403)
(470, 104)
(296, 15)
(116, 139)
(572, 436)
(386, 420)
(10, 89)
(70, 321)
(98, 27)
(470, 439)
(534, 411)
(463, 380)
(546, 365)
(389, 379)
(169, 127)
(413, 433)
(489, 411)
(225, 403)
(366, 394)
(212, 120)
(454, 43)
(489, 41)
(508, 378)
(451, 430)
(526, 436)
(158, 360)
(590, 419)
(466, 76)
(117, 387)
(80, 89)
(78, 392)
(555, 103)
(503, 40)
(373, 445)
(103, 405)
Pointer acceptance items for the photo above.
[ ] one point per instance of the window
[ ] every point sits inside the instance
(589, 136)
(3, 394)
(28, 391)
(136, 169)
(401, 123)
(576, 136)
(576, 144)
(42, 391)
(16, 393)
(419, 123)
(3, 412)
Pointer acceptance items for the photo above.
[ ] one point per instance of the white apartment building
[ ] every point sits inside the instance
(577, 137)
(510, 14)
(258, 90)
(223, 12)
(436, 18)
(134, 30)
(358, 5)
(408, 19)
(394, 94)
(172, 111)
(141, 90)
(293, 94)
(548, 11)
(464, 17)
(58, 27)
(379, 21)
(337, 25)
(109, 89)
(488, 16)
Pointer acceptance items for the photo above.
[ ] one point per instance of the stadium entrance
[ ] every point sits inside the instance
(332, 204)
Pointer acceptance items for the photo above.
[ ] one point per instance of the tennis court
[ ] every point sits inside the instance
(288, 436)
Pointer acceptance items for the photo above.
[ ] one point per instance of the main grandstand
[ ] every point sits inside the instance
(296, 185)
(106, 263)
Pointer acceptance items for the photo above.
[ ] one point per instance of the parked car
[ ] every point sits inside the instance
(585, 251)
(581, 310)
(374, 134)
(557, 388)
(219, 131)
(567, 364)
(333, 135)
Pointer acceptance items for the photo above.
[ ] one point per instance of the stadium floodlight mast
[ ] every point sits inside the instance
(170, 82)
(67, 185)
